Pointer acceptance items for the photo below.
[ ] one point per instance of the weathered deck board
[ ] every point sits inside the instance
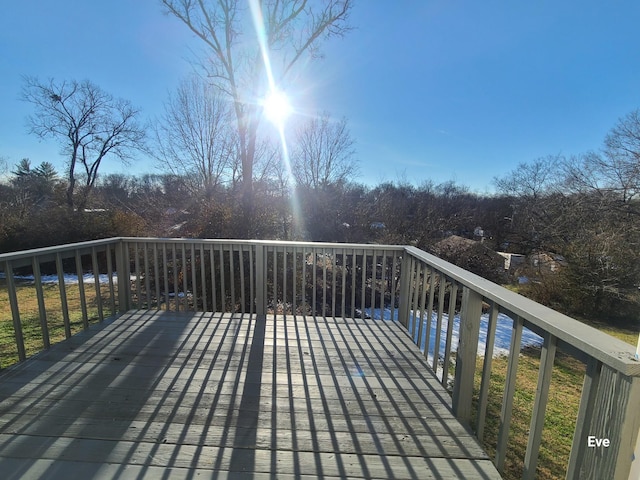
(174, 395)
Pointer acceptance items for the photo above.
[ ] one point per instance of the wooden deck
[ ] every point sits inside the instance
(201, 395)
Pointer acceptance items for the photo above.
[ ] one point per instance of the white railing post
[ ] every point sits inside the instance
(635, 464)
(122, 271)
(405, 289)
(15, 313)
(260, 282)
(613, 431)
(467, 354)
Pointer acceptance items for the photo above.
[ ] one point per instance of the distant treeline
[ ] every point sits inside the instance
(544, 206)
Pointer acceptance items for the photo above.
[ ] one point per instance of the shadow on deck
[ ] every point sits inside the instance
(156, 394)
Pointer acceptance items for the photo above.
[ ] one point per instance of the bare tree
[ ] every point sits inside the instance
(535, 192)
(194, 137)
(290, 29)
(614, 173)
(323, 153)
(89, 123)
(622, 150)
(531, 180)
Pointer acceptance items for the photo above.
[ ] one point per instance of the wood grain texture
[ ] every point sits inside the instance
(175, 395)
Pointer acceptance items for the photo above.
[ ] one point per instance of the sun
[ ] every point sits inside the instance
(277, 107)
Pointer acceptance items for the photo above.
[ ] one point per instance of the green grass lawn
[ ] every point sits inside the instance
(31, 329)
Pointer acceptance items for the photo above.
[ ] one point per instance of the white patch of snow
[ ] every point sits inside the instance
(504, 327)
(69, 279)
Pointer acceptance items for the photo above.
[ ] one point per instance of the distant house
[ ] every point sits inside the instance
(547, 262)
(512, 260)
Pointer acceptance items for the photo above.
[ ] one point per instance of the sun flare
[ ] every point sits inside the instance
(277, 107)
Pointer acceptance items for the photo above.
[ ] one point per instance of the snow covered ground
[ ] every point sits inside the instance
(504, 327)
(68, 278)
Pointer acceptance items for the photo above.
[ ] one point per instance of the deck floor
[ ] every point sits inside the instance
(209, 395)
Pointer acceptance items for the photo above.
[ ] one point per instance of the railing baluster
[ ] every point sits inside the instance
(203, 279)
(429, 311)
(44, 327)
(363, 291)
(509, 391)
(324, 283)
(453, 298)
(122, 271)
(83, 300)
(421, 306)
(15, 312)
(176, 284)
(485, 384)
(394, 268)
(284, 281)
(343, 289)
(112, 296)
(354, 276)
(405, 289)
(261, 281)
(383, 283)
(334, 267)
(185, 278)
(223, 291)
(275, 282)
(165, 276)
(417, 276)
(252, 277)
(547, 357)
(96, 280)
(442, 288)
(242, 293)
(214, 300)
(294, 293)
(303, 286)
(63, 296)
(147, 274)
(314, 265)
(156, 274)
(137, 274)
(194, 276)
(232, 279)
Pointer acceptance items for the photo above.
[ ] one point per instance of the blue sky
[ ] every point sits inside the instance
(441, 90)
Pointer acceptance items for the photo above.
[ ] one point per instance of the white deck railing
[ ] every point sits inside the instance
(357, 281)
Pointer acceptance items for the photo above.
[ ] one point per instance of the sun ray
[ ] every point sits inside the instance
(277, 108)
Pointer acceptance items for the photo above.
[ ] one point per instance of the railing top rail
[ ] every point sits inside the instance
(44, 251)
(605, 348)
(270, 243)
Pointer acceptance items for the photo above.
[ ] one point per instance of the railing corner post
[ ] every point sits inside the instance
(616, 418)
(260, 281)
(467, 354)
(122, 271)
(15, 312)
